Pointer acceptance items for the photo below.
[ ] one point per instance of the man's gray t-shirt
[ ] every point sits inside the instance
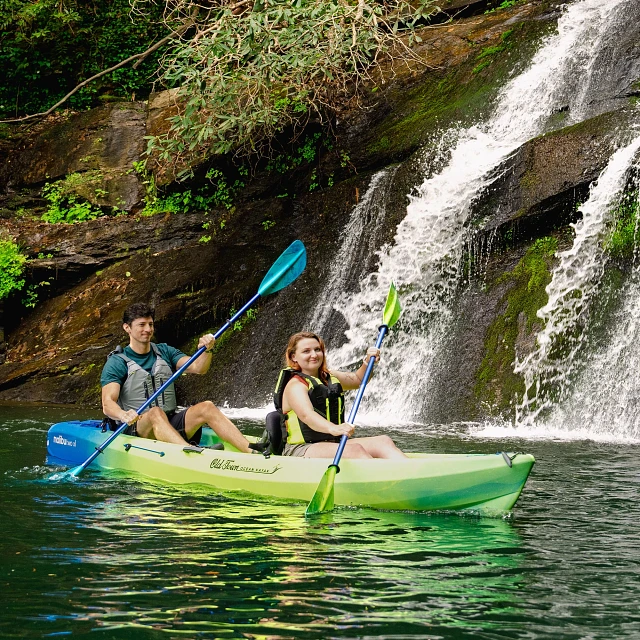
(115, 368)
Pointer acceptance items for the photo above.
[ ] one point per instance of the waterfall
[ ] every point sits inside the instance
(425, 257)
(605, 402)
(549, 370)
(359, 241)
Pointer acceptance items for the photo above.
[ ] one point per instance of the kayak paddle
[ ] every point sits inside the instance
(282, 273)
(323, 497)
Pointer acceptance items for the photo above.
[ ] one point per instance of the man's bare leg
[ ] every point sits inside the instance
(155, 424)
(207, 413)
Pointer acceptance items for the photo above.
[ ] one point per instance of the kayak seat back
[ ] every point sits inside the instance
(275, 432)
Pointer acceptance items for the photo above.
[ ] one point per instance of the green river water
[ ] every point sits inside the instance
(116, 556)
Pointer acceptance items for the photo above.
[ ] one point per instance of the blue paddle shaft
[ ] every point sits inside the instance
(354, 409)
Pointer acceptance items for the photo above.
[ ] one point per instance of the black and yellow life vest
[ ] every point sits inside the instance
(327, 400)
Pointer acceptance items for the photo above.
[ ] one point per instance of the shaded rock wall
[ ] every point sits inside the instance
(101, 144)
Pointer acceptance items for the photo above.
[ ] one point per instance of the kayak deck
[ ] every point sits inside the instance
(479, 482)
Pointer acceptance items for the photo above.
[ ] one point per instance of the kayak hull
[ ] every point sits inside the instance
(482, 483)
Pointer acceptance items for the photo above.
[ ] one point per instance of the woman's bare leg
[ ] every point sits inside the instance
(380, 447)
(328, 450)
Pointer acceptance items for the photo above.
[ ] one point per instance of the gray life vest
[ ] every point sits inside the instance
(140, 385)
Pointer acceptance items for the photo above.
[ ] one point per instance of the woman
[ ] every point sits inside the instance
(311, 398)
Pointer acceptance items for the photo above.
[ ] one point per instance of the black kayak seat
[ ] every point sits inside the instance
(274, 426)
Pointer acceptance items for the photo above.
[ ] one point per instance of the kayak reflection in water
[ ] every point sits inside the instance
(312, 400)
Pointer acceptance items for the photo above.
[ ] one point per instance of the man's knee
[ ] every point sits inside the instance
(207, 408)
(156, 414)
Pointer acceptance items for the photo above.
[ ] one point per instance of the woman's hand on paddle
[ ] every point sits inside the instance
(344, 429)
(372, 352)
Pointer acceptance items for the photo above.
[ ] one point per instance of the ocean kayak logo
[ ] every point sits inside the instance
(230, 465)
(64, 441)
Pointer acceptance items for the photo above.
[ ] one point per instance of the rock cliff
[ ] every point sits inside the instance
(55, 352)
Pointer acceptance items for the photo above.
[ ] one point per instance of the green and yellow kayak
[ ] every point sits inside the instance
(486, 484)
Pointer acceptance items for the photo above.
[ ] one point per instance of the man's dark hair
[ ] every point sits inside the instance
(138, 310)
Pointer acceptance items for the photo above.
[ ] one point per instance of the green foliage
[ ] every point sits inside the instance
(306, 152)
(622, 241)
(246, 75)
(497, 384)
(30, 299)
(505, 4)
(65, 206)
(313, 181)
(267, 224)
(218, 192)
(248, 317)
(11, 268)
(238, 325)
(47, 47)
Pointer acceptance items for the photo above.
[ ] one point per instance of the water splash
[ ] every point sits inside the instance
(549, 370)
(425, 258)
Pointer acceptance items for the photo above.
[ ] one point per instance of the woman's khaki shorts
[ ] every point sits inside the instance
(296, 450)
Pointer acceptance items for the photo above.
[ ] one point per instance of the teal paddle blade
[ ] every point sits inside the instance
(392, 308)
(323, 497)
(285, 269)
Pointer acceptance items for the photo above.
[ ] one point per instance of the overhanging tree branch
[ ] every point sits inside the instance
(138, 57)
(253, 69)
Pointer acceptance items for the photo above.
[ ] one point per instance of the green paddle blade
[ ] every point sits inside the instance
(392, 308)
(285, 269)
(323, 497)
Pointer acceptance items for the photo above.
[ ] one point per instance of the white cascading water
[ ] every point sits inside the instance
(424, 259)
(359, 237)
(605, 403)
(552, 367)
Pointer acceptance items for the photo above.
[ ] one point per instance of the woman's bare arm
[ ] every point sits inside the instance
(296, 397)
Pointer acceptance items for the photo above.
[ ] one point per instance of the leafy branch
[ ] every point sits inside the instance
(138, 57)
(247, 71)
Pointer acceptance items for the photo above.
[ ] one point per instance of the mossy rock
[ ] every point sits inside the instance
(513, 330)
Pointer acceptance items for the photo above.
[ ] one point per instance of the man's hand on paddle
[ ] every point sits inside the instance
(130, 417)
(207, 341)
(202, 364)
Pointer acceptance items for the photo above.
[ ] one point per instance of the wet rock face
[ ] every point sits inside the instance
(102, 144)
(57, 352)
(537, 189)
(615, 75)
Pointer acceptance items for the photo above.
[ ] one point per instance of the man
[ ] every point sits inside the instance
(130, 377)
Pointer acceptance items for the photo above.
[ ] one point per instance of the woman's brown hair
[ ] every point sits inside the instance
(291, 349)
